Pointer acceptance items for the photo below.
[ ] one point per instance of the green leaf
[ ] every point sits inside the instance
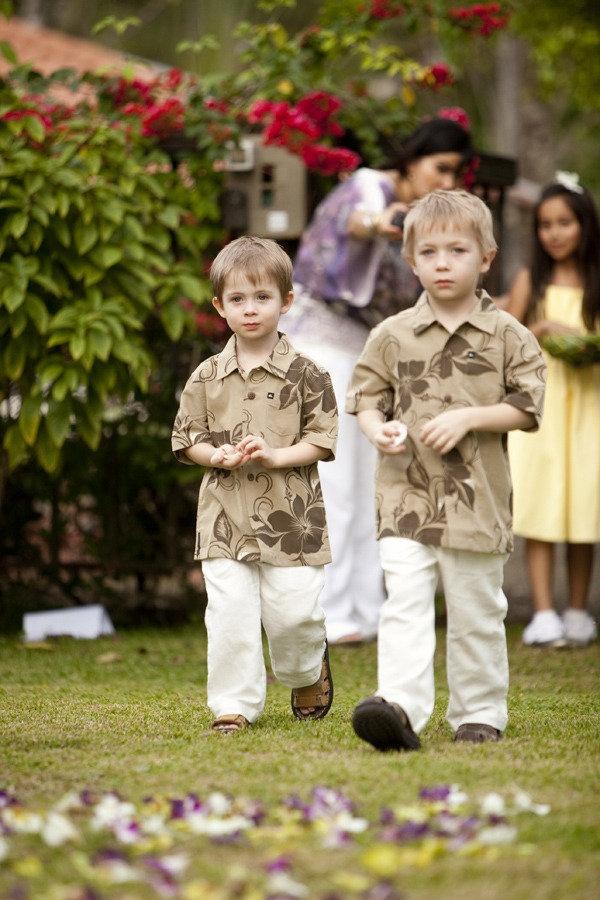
(105, 257)
(17, 224)
(90, 432)
(77, 346)
(169, 216)
(38, 313)
(118, 25)
(85, 238)
(173, 318)
(34, 128)
(58, 422)
(15, 446)
(29, 419)
(193, 287)
(14, 359)
(18, 322)
(99, 343)
(49, 370)
(13, 296)
(8, 52)
(62, 232)
(46, 451)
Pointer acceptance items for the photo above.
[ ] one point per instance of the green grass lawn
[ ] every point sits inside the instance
(138, 725)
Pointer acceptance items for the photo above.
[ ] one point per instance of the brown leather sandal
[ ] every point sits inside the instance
(314, 701)
(476, 733)
(229, 724)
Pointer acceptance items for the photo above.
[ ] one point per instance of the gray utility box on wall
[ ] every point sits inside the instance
(265, 191)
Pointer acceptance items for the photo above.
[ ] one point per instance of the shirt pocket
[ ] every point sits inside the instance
(282, 426)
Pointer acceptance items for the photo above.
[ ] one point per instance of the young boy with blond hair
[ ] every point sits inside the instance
(436, 389)
(258, 416)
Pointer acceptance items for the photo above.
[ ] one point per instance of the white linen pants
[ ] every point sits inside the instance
(353, 591)
(476, 655)
(242, 595)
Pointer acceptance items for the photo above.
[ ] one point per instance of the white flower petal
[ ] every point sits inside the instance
(499, 834)
(493, 805)
(58, 829)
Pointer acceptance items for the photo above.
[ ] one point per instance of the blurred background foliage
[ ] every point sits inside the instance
(113, 218)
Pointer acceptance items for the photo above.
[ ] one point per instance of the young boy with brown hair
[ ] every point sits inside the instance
(258, 416)
(436, 389)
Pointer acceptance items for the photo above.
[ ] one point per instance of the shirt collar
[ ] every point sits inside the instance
(481, 316)
(277, 363)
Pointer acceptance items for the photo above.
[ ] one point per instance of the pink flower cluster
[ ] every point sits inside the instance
(437, 76)
(386, 9)
(481, 18)
(299, 127)
(455, 114)
(159, 117)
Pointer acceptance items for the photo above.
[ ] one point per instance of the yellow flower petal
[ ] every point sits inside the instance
(409, 97)
(285, 87)
(382, 860)
(28, 867)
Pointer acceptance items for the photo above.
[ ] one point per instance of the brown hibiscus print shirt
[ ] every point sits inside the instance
(254, 514)
(412, 369)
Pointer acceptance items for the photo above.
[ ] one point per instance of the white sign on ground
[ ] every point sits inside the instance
(81, 622)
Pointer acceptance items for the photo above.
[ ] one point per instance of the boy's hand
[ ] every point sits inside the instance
(389, 437)
(255, 448)
(446, 430)
(227, 457)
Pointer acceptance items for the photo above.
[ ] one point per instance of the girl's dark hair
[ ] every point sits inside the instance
(433, 136)
(587, 254)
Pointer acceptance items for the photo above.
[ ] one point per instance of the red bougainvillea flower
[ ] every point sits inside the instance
(319, 105)
(441, 74)
(17, 115)
(162, 119)
(455, 114)
(211, 325)
(481, 18)
(290, 128)
(329, 160)
(173, 79)
(216, 105)
(386, 9)
(136, 91)
(259, 110)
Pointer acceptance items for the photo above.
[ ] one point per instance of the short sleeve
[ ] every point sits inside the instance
(191, 425)
(524, 372)
(319, 410)
(371, 386)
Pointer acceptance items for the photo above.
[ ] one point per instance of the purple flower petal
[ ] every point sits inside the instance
(279, 864)
(436, 793)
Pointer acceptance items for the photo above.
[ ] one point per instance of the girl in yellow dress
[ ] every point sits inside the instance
(556, 470)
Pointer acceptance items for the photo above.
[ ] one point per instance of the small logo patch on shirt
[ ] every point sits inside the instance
(270, 395)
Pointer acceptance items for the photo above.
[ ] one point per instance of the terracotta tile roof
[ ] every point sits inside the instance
(48, 50)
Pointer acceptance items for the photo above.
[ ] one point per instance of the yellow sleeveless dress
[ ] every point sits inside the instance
(556, 470)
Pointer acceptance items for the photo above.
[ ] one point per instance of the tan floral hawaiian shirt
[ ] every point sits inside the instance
(412, 369)
(254, 514)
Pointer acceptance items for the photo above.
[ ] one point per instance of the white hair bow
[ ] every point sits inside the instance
(569, 180)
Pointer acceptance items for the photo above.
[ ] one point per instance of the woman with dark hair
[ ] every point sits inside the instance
(348, 276)
(556, 470)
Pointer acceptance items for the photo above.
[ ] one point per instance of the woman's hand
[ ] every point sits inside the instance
(386, 228)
